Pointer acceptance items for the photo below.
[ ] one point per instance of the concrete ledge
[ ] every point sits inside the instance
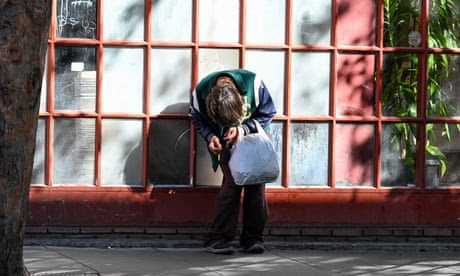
(308, 237)
(269, 244)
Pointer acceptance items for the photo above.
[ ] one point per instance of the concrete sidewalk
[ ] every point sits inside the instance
(45, 260)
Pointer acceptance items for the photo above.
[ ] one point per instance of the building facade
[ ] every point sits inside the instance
(367, 93)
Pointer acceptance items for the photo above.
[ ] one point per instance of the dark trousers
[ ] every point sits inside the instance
(255, 211)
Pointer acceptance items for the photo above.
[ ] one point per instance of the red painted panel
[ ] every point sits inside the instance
(356, 22)
(112, 208)
(354, 154)
(126, 207)
(368, 208)
(355, 85)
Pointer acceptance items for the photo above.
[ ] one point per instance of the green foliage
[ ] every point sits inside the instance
(401, 75)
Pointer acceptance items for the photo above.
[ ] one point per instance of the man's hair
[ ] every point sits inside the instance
(224, 104)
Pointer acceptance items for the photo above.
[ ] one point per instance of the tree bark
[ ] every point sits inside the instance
(24, 26)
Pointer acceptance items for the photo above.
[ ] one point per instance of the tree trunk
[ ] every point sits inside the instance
(24, 26)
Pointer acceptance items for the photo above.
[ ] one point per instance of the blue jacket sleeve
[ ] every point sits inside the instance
(200, 126)
(264, 112)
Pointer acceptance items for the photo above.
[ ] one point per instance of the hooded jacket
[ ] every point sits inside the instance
(257, 105)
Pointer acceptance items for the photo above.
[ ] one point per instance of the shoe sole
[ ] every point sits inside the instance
(224, 251)
(256, 249)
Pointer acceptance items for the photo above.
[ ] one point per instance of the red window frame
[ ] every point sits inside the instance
(286, 118)
(296, 196)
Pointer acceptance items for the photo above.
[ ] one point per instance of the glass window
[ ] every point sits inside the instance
(172, 21)
(399, 95)
(309, 154)
(76, 19)
(442, 164)
(310, 83)
(121, 152)
(398, 148)
(401, 23)
(170, 80)
(443, 31)
(38, 173)
(354, 155)
(355, 86)
(212, 60)
(124, 20)
(265, 21)
(169, 152)
(204, 175)
(311, 22)
(269, 65)
(75, 78)
(443, 83)
(73, 151)
(123, 80)
(219, 20)
(275, 132)
(174, 55)
(356, 22)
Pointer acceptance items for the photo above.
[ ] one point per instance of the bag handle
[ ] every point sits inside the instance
(258, 126)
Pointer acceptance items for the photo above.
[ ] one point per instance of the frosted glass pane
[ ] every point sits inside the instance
(76, 19)
(398, 156)
(75, 78)
(265, 21)
(172, 20)
(219, 20)
(356, 22)
(309, 154)
(269, 65)
(170, 80)
(73, 151)
(121, 152)
(123, 80)
(275, 132)
(124, 20)
(354, 155)
(205, 176)
(169, 152)
(311, 22)
(38, 173)
(355, 85)
(212, 60)
(310, 83)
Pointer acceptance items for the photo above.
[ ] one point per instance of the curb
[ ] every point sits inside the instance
(299, 245)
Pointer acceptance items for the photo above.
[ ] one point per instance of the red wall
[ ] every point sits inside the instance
(148, 207)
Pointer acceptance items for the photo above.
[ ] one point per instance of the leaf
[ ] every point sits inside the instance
(413, 110)
(435, 152)
(443, 167)
(446, 131)
(429, 131)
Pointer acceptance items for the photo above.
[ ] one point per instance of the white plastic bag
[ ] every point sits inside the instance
(253, 159)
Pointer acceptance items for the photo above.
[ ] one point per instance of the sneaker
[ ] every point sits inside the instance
(254, 247)
(220, 247)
